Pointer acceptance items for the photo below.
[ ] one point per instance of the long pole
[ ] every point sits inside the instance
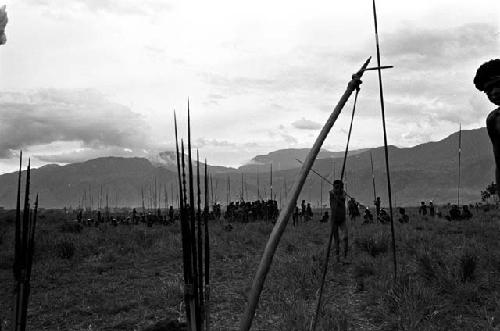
(228, 190)
(373, 178)
(199, 240)
(171, 194)
(258, 184)
(166, 198)
(271, 181)
(242, 198)
(207, 254)
(17, 269)
(459, 159)
(211, 188)
(185, 237)
(142, 195)
(193, 226)
(215, 191)
(321, 198)
(24, 289)
(190, 290)
(386, 150)
(279, 227)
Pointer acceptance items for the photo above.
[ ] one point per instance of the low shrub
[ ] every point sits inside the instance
(65, 249)
(374, 245)
(70, 227)
(468, 266)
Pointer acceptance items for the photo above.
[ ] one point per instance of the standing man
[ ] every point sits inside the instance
(432, 210)
(338, 217)
(487, 80)
(377, 207)
(303, 210)
(423, 209)
(296, 216)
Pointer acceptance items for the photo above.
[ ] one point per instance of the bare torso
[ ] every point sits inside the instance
(493, 126)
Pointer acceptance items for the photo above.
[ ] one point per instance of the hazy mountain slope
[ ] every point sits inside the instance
(425, 172)
(285, 159)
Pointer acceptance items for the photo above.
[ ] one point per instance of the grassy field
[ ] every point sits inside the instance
(129, 277)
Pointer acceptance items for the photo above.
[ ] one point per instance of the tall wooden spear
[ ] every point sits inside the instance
(24, 250)
(373, 179)
(258, 184)
(188, 287)
(142, 195)
(189, 290)
(18, 246)
(211, 188)
(228, 190)
(166, 197)
(321, 197)
(386, 150)
(279, 227)
(459, 158)
(215, 191)
(271, 181)
(172, 194)
(207, 255)
(242, 197)
(200, 241)
(193, 226)
(24, 288)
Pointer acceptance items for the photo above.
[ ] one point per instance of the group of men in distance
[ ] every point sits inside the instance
(242, 211)
(94, 218)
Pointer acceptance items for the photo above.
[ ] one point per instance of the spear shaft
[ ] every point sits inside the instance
(459, 158)
(191, 290)
(200, 239)
(207, 254)
(185, 236)
(193, 226)
(386, 150)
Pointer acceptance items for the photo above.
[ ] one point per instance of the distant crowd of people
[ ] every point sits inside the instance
(242, 211)
(246, 211)
(95, 218)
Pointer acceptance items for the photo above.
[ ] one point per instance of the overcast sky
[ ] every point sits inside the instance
(81, 79)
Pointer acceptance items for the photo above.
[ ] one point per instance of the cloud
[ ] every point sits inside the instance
(436, 47)
(85, 154)
(203, 142)
(217, 143)
(304, 124)
(214, 99)
(85, 116)
(121, 7)
(289, 139)
(311, 75)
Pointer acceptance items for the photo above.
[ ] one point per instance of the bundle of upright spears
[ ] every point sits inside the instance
(24, 248)
(195, 255)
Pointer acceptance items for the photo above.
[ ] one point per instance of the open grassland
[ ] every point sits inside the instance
(129, 277)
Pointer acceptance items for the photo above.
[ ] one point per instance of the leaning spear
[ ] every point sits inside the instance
(279, 227)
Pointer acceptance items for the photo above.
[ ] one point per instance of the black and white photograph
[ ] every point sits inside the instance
(189, 165)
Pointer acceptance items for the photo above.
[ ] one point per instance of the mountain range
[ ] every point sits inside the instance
(424, 172)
